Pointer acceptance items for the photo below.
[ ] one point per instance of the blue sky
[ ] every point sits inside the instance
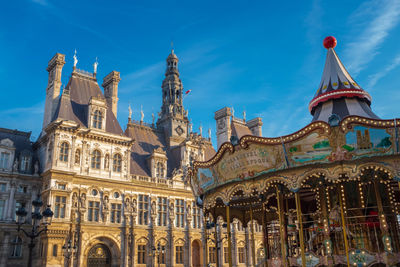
(265, 57)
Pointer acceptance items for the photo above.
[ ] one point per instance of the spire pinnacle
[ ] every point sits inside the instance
(75, 59)
(95, 64)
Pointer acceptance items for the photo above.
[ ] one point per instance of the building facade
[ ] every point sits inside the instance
(121, 198)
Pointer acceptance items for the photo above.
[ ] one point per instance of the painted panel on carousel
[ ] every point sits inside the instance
(241, 165)
(362, 141)
(313, 148)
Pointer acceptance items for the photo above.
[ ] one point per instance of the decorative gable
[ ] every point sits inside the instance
(97, 113)
(158, 163)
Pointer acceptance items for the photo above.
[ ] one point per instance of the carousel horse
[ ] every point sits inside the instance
(335, 225)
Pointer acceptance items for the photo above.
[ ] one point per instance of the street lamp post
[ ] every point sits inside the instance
(37, 217)
(160, 250)
(69, 250)
(209, 226)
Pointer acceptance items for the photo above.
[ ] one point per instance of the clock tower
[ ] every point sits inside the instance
(173, 118)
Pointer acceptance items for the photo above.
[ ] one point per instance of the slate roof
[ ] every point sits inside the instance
(239, 129)
(75, 107)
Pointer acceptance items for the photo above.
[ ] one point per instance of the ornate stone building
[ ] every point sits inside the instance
(121, 197)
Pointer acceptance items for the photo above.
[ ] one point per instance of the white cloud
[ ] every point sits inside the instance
(382, 16)
(373, 79)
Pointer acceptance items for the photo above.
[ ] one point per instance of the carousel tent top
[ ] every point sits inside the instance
(338, 93)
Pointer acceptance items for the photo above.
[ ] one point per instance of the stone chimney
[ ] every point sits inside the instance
(255, 126)
(223, 121)
(54, 68)
(110, 85)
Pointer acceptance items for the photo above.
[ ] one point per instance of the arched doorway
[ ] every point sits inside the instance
(99, 256)
(196, 254)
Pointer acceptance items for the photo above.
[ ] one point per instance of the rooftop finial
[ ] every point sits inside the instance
(201, 130)
(172, 47)
(330, 42)
(75, 59)
(209, 133)
(141, 114)
(130, 112)
(244, 115)
(95, 64)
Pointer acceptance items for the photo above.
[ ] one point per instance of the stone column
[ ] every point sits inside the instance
(10, 206)
(234, 244)
(171, 215)
(72, 153)
(188, 260)
(247, 245)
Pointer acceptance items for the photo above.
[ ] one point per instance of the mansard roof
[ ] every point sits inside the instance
(147, 139)
(239, 128)
(74, 103)
(20, 139)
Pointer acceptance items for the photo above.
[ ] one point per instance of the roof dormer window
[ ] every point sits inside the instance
(25, 161)
(4, 160)
(97, 119)
(64, 149)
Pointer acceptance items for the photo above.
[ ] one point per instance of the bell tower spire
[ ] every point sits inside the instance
(173, 117)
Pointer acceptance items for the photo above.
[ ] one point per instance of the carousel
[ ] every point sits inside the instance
(326, 195)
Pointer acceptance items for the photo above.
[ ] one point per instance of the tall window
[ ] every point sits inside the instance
(180, 213)
(141, 259)
(241, 255)
(143, 209)
(196, 216)
(160, 170)
(4, 160)
(55, 248)
(96, 157)
(226, 255)
(93, 211)
(64, 149)
(212, 254)
(117, 163)
(161, 255)
(162, 211)
(2, 205)
(115, 213)
(59, 207)
(179, 254)
(16, 247)
(3, 187)
(97, 119)
(25, 163)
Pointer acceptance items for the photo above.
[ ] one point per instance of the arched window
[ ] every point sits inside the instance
(16, 247)
(117, 163)
(96, 157)
(64, 149)
(160, 170)
(97, 119)
(77, 156)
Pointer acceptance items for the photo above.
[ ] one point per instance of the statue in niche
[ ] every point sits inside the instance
(153, 208)
(75, 200)
(133, 205)
(36, 168)
(107, 162)
(189, 211)
(15, 166)
(171, 209)
(105, 203)
(77, 156)
(83, 200)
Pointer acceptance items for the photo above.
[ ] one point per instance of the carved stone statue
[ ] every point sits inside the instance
(153, 117)
(153, 208)
(105, 203)
(75, 200)
(77, 156)
(107, 162)
(201, 130)
(83, 200)
(171, 209)
(133, 205)
(189, 211)
(130, 112)
(36, 168)
(75, 59)
(95, 66)
(209, 133)
(141, 114)
(15, 166)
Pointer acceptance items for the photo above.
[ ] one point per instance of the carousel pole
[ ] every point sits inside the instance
(346, 243)
(205, 239)
(228, 229)
(282, 234)
(300, 221)
(382, 219)
(324, 211)
(265, 235)
(216, 242)
(253, 242)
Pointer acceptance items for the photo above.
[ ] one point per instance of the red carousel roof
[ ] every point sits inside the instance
(338, 86)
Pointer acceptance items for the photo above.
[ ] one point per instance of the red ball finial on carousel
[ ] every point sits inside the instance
(330, 42)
